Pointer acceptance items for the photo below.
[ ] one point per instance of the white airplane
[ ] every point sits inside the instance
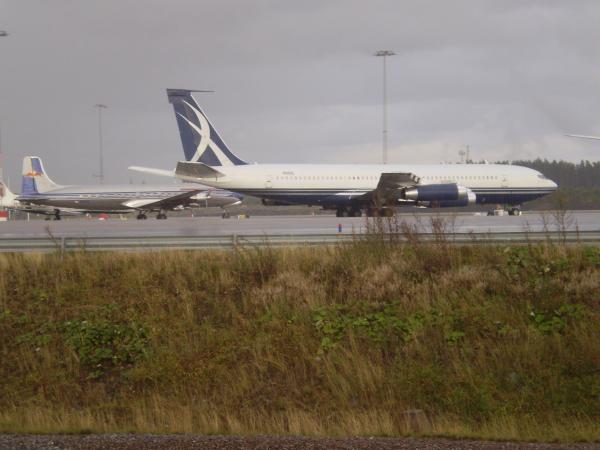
(39, 191)
(349, 189)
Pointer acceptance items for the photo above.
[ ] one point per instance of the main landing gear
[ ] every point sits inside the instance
(353, 211)
(348, 212)
(514, 211)
(56, 215)
(162, 215)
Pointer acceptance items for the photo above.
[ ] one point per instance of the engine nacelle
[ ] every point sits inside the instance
(469, 199)
(445, 195)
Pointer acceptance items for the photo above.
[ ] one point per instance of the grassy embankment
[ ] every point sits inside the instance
(488, 341)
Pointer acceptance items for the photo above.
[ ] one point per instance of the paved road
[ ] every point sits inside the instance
(285, 225)
(187, 441)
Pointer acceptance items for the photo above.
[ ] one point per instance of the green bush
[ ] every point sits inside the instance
(103, 347)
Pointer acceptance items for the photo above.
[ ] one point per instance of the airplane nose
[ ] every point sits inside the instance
(553, 185)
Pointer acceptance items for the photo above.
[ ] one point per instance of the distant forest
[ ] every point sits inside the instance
(585, 174)
(579, 183)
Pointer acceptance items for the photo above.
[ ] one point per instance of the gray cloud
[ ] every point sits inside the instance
(296, 81)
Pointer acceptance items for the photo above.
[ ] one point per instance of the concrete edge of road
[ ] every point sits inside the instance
(144, 243)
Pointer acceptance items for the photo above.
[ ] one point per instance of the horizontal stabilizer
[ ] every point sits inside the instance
(191, 171)
(152, 171)
(583, 136)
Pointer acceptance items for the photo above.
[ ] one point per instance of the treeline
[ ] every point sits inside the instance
(585, 174)
(578, 183)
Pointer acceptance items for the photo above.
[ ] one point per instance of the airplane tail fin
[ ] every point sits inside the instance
(35, 180)
(201, 141)
(7, 198)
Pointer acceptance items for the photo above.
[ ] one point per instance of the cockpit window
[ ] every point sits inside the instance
(542, 176)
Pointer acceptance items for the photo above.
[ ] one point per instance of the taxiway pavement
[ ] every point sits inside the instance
(295, 225)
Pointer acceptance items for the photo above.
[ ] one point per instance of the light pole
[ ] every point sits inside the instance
(100, 107)
(385, 54)
(2, 34)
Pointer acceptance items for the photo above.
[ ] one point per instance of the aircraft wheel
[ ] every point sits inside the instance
(161, 216)
(225, 215)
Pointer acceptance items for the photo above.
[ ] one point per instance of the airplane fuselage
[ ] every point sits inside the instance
(334, 185)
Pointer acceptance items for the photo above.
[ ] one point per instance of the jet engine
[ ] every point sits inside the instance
(443, 195)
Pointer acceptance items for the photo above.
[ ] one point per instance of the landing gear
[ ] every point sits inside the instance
(141, 216)
(514, 212)
(499, 211)
(225, 215)
(161, 216)
(56, 214)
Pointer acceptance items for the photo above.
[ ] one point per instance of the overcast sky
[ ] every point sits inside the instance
(296, 81)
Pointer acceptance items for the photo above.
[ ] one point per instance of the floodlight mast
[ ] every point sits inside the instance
(100, 107)
(385, 54)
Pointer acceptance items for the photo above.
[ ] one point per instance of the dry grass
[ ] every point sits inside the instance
(493, 342)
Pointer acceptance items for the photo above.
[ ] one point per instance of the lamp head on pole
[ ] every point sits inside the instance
(385, 53)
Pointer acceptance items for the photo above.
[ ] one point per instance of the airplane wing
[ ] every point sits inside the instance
(164, 203)
(390, 185)
(394, 181)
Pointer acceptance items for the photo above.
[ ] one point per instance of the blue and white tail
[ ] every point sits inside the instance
(34, 180)
(201, 141)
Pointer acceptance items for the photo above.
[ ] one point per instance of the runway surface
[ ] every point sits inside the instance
(292, 225)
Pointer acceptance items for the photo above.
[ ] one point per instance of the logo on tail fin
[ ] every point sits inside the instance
(34, 180)
(201, 141)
